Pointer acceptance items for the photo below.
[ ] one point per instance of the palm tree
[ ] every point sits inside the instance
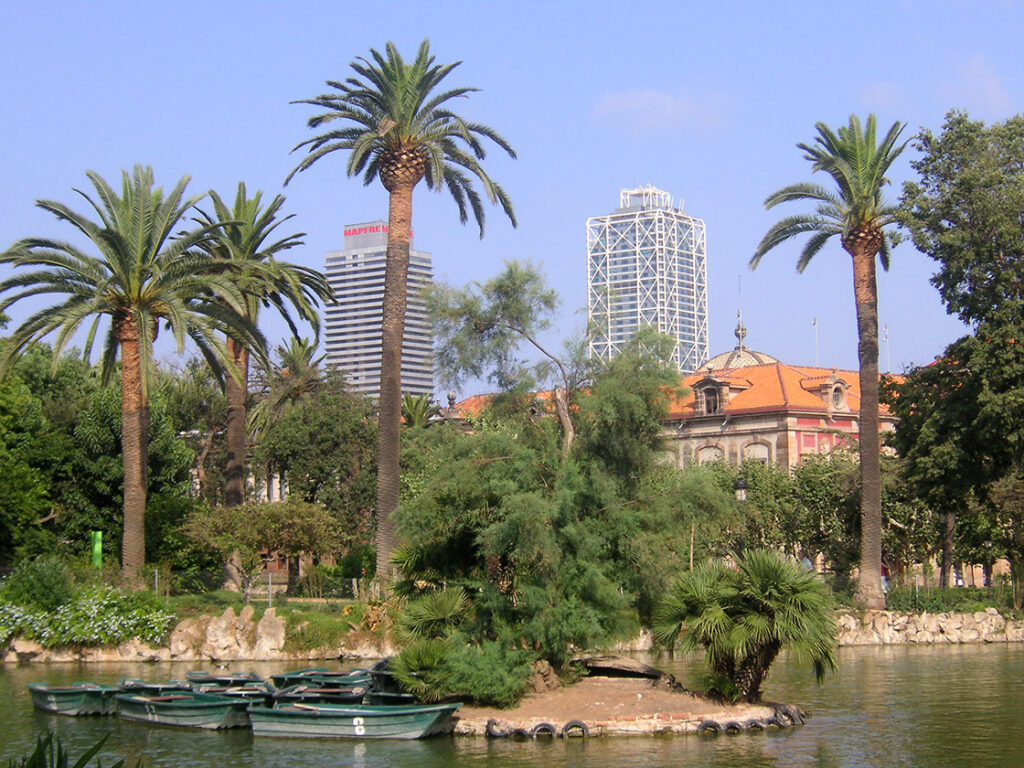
(243, 245)
(143, 275)
(855, 212)
(743, 616)
(418, 411)
(398, 127)
(296, 375)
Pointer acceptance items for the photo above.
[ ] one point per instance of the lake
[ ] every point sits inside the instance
(896, 706)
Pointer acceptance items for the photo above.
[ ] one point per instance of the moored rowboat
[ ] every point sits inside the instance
(185, 709)
(322, 676)
(226, 679)
(75, 699)
(146, 688)
(321, 694)
(335, 721)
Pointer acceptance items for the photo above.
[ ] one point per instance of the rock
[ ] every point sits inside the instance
(221, 643)
(543, 677)
(187, 638)
(25, 649)
(270, 635)
(617, 666)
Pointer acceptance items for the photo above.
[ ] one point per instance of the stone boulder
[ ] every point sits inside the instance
(269, 636)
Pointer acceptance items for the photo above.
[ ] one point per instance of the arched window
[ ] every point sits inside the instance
(709, 454)
(838, 397)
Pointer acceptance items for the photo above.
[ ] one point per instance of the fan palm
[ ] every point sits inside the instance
(142, 276)
(243, 244)
(855, 212)
(744, 616)
(398, 127)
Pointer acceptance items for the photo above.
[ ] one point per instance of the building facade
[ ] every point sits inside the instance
(353, 323)
(647, 266)
(748, 406)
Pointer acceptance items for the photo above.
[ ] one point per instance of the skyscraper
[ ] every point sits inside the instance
(647, 266)
(353, 326)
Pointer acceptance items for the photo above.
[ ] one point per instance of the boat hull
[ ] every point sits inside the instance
(351, 722)
(74, 700)
(183, 710)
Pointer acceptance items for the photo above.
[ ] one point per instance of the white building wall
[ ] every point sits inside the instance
(353, 323)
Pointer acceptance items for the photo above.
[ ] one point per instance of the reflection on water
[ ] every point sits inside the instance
(897, 707)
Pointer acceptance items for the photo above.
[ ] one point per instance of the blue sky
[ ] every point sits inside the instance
(706, 101)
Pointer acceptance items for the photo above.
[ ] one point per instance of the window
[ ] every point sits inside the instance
(711, 400)
(837, 397)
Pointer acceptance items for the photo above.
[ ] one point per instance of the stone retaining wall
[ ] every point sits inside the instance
(231, 637)
(891, 628)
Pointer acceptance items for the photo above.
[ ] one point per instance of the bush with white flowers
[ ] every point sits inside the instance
(97, 616)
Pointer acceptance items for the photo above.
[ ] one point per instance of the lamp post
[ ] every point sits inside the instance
(740, 489)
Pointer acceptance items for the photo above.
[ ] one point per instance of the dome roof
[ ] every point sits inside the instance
(741, 356)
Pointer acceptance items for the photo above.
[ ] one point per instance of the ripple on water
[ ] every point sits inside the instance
(895, 707)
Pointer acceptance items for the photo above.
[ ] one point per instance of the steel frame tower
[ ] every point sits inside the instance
(647, 266)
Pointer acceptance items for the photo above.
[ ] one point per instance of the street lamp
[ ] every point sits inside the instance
(740, 489)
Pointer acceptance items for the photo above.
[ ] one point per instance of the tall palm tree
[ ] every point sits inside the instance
(398, 127)
(243, 245)
(143, 275)
(744, 615)
(855, 212)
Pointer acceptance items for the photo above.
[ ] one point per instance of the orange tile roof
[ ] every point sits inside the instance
(756, 388)
(770, 387)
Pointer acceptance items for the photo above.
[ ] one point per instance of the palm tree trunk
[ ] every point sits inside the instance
(869, 588)
(948, 540)
(396, 274)
(135, 454)
(753, 670)
(236, 392)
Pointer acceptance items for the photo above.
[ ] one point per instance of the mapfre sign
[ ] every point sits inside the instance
(372, 234)
(369, 229)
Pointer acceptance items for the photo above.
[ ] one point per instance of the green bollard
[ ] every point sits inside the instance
(97, 549)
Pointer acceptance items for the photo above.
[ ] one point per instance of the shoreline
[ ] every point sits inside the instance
(231, 637)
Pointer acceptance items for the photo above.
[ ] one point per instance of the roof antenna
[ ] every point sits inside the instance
(741, 331)
(814, 322)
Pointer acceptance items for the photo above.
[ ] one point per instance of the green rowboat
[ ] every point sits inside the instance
(338, 721)
(185, 709)
(322, 676)
(75, 699)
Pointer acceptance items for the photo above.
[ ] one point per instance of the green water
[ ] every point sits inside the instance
(913, 707)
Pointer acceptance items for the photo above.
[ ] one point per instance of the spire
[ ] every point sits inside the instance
(741, 331)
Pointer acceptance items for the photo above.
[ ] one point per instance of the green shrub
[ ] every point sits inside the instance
(313, 630)
(43, 584)
(489, 674)
(948, 599)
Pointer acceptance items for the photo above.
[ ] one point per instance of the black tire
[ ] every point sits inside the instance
(732, 727)
(494, 731)
(544, 729)
(774, 722)
(520, 734)
(575, 728)
(709, 726)
(754, 724)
